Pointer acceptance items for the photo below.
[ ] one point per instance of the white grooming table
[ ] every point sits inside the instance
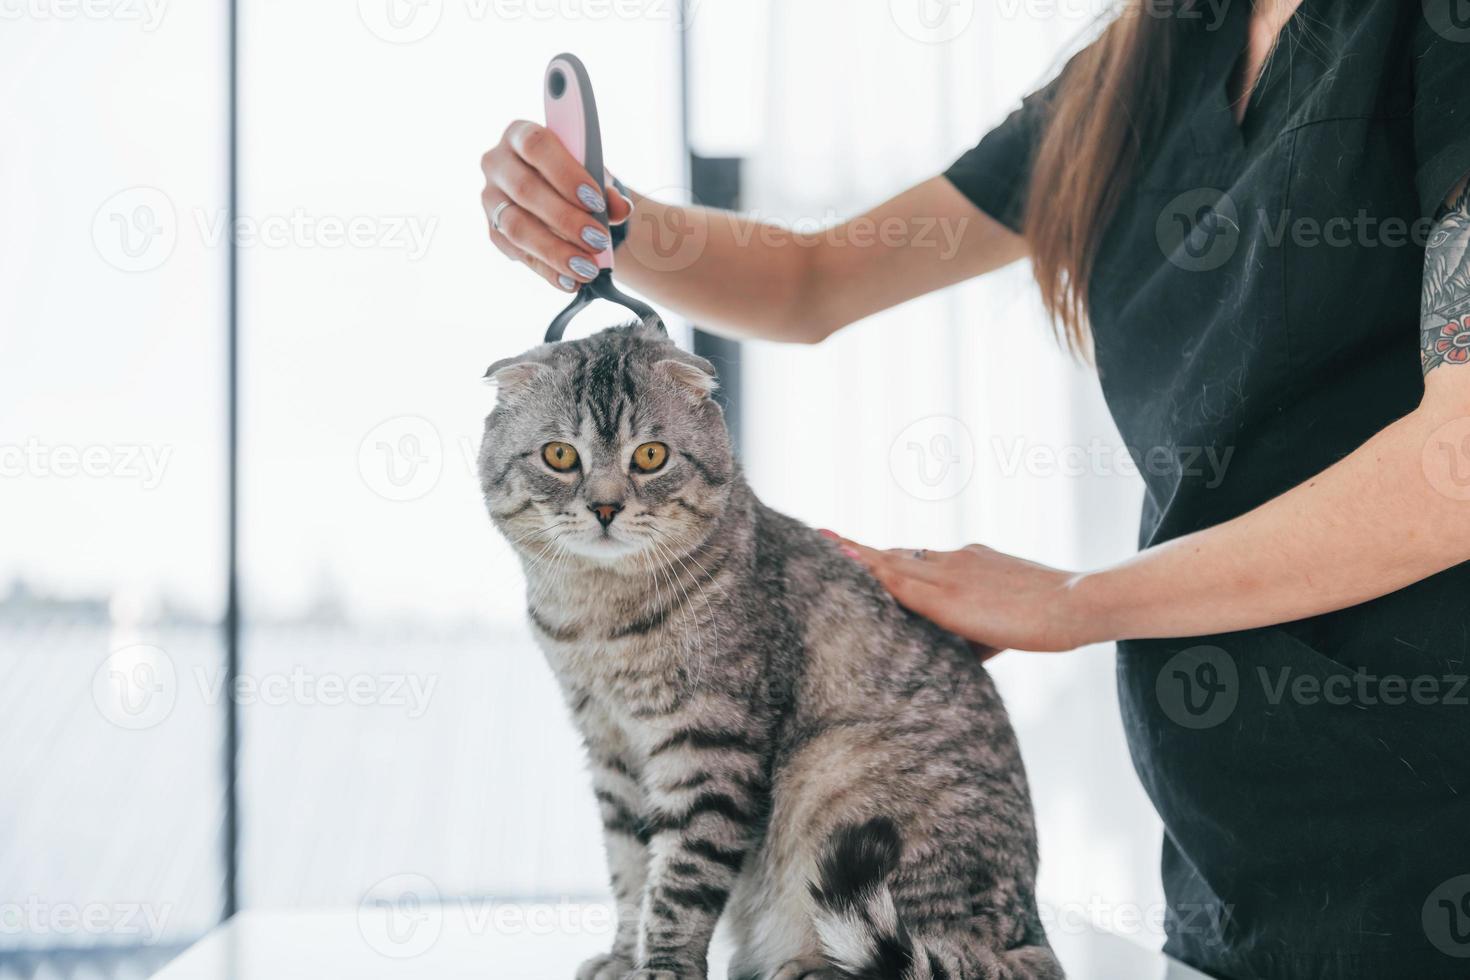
(453, 942)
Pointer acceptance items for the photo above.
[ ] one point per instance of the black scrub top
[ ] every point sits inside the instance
(1255, 314)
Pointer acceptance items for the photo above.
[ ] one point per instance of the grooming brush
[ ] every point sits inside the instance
(571, 113)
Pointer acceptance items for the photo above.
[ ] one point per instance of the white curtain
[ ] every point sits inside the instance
(954, 418)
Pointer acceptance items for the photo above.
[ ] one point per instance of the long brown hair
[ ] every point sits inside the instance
(1108, 102)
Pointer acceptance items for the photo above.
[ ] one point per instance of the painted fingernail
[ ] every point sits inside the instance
(566, 282)
(596, 237)
(829, 535)
(591, 200)
(582, 267)
(849, 552)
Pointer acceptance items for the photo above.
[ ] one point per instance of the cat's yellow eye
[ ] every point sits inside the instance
(559, 456)
(650, 456)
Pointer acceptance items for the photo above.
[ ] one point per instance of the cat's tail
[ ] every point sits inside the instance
(864, 937)
(858, 924)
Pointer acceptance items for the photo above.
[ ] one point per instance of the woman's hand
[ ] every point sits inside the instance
(540, 203)
(995, 601)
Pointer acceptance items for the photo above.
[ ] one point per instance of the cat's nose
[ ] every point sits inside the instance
(605, 512)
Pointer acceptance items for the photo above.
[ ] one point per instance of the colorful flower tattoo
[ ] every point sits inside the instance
(1444, 327)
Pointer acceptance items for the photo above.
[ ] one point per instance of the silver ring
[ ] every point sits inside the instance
(495, 215)
(920, 554)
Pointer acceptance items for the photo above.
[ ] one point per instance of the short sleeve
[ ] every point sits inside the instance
(1441, 102)
(996, 173)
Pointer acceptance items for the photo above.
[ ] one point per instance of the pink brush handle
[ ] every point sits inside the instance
(571, 113)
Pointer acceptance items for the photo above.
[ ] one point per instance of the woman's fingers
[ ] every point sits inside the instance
(541, 204)
(926, 566)
(619, 208)
(524, 231)
(543, 150)
(573, 224)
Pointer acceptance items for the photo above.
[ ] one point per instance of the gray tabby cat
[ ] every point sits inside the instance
(771, 736)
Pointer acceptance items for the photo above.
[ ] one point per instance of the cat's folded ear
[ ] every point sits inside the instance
(511, 374)
(690, 372)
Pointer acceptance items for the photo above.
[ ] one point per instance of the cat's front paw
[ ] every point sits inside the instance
(605, 967)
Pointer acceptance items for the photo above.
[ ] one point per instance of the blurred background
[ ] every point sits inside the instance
(259, 645)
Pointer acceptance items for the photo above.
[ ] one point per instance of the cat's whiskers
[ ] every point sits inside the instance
(657, 538)
(657, 566)
(537, 530)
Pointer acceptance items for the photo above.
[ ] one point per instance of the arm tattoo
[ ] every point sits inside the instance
(1444, 326)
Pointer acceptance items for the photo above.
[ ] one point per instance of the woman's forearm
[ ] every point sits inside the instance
(1389, 515)
(737, 275)
(718, 268)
